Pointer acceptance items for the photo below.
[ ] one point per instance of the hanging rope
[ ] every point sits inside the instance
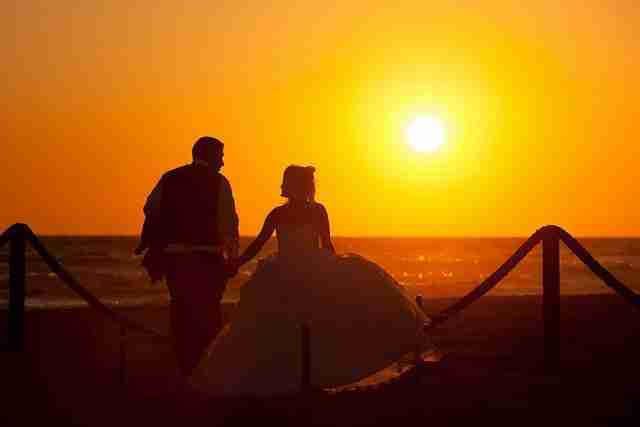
(598, 269)
(519, 255)
(70, 281)
(490, 282)
(4, 237)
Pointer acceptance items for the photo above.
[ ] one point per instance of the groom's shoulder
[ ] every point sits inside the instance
(180, 170)
(223, 180)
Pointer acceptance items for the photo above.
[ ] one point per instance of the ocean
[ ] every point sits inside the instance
(432, 267)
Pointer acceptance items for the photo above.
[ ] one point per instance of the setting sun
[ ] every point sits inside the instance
(425, 134)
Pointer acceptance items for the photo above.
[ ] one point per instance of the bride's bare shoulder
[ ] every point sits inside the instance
(319, 208)
(277, 213)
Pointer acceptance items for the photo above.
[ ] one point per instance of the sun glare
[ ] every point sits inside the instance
(425, 134)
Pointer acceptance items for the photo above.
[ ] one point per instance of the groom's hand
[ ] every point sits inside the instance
(140, 249)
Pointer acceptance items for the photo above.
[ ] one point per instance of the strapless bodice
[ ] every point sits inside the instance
(297, 239)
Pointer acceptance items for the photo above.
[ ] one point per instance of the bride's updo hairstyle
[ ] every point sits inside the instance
(298, 182)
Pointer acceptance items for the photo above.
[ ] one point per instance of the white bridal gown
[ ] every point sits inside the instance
(360, 321)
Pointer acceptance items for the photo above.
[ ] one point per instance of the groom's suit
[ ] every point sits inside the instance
(190, 223)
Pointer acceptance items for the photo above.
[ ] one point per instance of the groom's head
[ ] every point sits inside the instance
(210, 151)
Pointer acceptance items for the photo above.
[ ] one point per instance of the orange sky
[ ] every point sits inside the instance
(540, 102)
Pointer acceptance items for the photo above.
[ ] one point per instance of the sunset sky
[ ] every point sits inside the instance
(540, 102)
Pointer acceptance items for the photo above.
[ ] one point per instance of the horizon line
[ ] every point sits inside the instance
(402, 236)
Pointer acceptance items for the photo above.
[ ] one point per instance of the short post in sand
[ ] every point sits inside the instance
(551, 298)
(122, 363)
(17, 279)
(420, 326)
(305, 353)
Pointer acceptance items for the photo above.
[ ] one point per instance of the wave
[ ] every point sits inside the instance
(35, 303)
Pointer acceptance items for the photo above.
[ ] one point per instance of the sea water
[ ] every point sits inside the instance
(432, 267)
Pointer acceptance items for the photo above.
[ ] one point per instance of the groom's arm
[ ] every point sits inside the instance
(151, 212)
(228, 218)
(152, 205)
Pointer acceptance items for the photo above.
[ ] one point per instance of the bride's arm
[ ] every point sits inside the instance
(325, 230)
(252, 250)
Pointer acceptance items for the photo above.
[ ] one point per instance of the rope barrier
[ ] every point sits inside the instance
(598, 269)
(70, 281)
(489, 283)
(6, 236)
(519, 255)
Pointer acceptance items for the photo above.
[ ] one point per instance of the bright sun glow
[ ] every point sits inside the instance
(425, 134)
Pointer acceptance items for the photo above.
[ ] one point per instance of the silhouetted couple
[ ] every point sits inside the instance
(361, 320)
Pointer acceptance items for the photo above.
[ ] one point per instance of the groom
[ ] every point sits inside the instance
(190, 231)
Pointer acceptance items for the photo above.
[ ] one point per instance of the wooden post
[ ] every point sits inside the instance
(122, 368)
(551, 299)
(17, 278)
(418, 350)
(305, 342)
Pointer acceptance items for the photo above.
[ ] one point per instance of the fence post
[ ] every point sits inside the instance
(551, 298)
(305, 342)
(418, 350)
(122, 366)
(17, 278)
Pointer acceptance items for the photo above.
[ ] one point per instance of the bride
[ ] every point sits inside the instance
(360, 319)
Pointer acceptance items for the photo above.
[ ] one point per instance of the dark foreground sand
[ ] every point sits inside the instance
(71, 374)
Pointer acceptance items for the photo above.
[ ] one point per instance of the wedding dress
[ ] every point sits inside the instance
(360, 321)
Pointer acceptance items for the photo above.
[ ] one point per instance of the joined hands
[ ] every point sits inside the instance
(232, 265)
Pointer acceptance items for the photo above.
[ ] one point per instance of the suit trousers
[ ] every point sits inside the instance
(196, 282)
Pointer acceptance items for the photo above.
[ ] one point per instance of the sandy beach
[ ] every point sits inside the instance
(72, 371)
